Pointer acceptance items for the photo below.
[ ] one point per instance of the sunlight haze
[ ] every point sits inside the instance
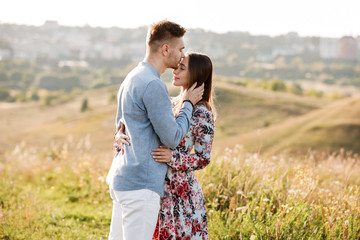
(331, 18)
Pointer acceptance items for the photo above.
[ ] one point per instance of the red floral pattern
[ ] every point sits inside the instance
(183, 213)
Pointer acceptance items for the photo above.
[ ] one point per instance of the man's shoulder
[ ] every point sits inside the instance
(143, 75)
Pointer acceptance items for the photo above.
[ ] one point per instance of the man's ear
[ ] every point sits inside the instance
(165, 49)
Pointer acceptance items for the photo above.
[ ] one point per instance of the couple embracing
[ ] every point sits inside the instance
(161, 141)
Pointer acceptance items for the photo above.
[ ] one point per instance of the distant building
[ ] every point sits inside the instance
(358, 48)
(5, 53)
(328, 48)
(284, 51)
(51, 25)
(264, 57)
(69, 63)
(292, 37)
(348, 48)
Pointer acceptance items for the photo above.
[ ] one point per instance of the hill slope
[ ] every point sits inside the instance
(240, 110)
(335, 126)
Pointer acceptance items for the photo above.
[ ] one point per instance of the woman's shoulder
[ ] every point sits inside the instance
(201, 111)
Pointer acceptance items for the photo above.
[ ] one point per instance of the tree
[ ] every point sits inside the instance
(34, 96)
(50, 82)
(3, 77)
(16, 76)
(84, 105)
(294, 88)
(4, 94)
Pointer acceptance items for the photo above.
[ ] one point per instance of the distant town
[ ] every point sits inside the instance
(81, 43)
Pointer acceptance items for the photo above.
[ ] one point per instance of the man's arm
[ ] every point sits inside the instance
(159, 111)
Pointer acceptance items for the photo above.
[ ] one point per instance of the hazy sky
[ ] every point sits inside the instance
(327, 18)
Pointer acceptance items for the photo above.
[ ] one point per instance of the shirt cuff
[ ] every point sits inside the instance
(189, 102)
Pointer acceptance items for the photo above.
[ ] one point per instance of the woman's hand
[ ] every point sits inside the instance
(162, 154)
(120, 139)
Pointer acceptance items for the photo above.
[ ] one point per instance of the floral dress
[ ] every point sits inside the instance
(183, 213)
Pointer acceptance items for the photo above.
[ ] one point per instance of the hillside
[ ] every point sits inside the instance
(240, 110)
(335, 126)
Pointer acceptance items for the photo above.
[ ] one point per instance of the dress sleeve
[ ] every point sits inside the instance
(203, 138)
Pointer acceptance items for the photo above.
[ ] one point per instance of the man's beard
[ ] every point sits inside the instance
(174, 64)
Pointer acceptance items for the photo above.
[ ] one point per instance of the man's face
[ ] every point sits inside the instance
(175, 53)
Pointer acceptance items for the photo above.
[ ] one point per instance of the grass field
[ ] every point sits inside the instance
(58, 192)
(54, 160)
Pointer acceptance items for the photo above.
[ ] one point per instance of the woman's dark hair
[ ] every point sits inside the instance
(201, 71)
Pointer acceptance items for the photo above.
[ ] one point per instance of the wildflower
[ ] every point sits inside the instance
(252, 237)
(240, 192)
(240, 208)
(101, 179)
(292, 191)
(223, 196)
(266, 200)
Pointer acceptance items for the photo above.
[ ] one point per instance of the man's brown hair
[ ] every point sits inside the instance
(163, 31)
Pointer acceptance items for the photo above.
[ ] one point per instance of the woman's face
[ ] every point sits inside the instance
(182, 74)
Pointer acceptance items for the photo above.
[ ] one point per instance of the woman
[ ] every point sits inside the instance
(183, 213)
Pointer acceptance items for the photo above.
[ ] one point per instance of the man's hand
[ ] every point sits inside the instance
(194, 94)
(162, 154)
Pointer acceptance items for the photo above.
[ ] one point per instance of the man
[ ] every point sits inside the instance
(137, 181)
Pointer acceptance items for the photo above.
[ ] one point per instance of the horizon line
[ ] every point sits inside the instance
(192, 28)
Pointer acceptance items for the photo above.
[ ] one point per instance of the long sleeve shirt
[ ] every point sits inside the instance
(145, 109)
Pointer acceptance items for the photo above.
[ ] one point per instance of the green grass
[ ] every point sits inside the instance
(59, 192)
(54, 204)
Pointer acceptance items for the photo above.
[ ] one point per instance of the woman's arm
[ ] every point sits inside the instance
(203, 139)
(120, 139)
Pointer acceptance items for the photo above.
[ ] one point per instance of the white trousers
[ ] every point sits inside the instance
(134, 214)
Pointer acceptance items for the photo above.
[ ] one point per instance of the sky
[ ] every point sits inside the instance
(324, 18)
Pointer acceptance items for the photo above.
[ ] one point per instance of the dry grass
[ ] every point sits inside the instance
(58, 192)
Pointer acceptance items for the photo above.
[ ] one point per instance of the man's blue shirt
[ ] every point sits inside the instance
(145, 109)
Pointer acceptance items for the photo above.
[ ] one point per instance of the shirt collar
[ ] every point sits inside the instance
(151, 68)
